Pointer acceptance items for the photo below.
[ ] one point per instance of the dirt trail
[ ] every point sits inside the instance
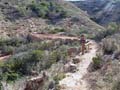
(2, 58)
(75, 81)
(52, 36)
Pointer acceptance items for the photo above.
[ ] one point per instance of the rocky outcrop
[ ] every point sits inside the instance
(70, 68)
(76, 60)
(36, 83)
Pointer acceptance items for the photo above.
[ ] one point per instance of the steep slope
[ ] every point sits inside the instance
(107, 77)
(80, 19)
(101, 11)
(28, 16)
(31, 56)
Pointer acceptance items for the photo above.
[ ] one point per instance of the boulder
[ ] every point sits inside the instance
(76, 60)
(70, 68)
(35, 84)
(72, 51)
(51, 85)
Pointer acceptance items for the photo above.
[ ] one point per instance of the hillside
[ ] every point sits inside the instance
(41, 47)
(17, 15)
(36, 39)
(101, 11)
(105, 76)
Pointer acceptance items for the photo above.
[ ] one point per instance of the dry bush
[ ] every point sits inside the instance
(111, 44)
(107, 78)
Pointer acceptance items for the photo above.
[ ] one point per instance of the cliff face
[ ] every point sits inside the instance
(101, 11)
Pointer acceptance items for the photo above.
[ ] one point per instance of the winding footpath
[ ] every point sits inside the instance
(76, 81)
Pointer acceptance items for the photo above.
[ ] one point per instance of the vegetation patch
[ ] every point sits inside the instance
(57, 30)
(59, 77)
(97, 62)
(116, 86)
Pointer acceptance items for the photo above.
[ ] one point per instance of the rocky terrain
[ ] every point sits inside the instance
(40, 46)
(29, 61)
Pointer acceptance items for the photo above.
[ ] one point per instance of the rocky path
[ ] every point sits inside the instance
(75, 81)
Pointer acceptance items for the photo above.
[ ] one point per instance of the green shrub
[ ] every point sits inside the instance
(45, 9)
(27, 62)
(64, 14)
(22, 10)
(21, 65)
(97, 62)
(111, 30)
(116, 86)
(2, 42)
(7, 73)
(40, 9)
(36, 55)
(114, 27)
(59, 77)
(12, 42)
(110, 45)
(16, 41)
(0, 86)
(57, 30)
(7, 50)
(53, 58)
(46, 46)
(12, 76)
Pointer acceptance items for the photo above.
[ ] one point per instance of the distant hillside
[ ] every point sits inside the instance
(45, 15)
(101, 11)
